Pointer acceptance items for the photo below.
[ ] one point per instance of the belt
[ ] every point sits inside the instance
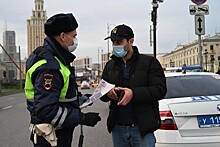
(126, 125)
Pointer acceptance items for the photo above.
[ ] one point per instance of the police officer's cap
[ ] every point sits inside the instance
(60, 23)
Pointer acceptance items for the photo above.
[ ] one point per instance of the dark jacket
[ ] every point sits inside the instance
(46, 107)
(148, 83)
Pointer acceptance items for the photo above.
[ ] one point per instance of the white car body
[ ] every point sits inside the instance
(190, 121)
(85, 85)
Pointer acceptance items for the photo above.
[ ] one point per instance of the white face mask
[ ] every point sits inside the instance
(73, 47)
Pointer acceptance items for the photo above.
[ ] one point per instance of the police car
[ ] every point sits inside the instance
(190, 111)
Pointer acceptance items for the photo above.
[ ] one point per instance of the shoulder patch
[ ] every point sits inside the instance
(48, 81)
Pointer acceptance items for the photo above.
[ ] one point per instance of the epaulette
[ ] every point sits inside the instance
(43, 53)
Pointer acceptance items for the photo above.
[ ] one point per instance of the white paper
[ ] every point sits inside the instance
(100, 90)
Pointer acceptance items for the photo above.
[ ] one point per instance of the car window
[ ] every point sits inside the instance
(193, 85)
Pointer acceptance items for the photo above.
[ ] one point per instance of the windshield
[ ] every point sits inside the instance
(192, 85)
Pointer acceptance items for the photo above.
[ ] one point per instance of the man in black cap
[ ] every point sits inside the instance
(139, 85)
(50, 86)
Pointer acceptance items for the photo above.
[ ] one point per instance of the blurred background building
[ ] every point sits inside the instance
(189, 54)
(35, 26)
(10, 72)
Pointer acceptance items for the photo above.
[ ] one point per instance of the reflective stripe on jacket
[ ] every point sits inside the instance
(29, 88)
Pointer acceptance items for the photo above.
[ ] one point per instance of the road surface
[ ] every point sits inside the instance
(14, 121)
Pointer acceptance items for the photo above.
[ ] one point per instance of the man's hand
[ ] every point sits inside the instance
(112, 94)
(128, 95)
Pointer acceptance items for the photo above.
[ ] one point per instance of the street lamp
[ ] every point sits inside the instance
(206, 55)
(20, 73)
(102, 60)
(108, 31)
(154, 20)
(98, 63)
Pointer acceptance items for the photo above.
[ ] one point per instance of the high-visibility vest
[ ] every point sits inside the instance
(29, 88)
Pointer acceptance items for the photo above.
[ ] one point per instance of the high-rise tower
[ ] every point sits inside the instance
(35, 26)
(10, 47)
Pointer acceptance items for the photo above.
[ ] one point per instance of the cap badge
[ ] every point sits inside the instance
(114, 31)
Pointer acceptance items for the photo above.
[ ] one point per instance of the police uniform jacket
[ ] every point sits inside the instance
(48, 81)
(148, 83)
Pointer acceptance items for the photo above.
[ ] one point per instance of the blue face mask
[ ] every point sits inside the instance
(118, 51)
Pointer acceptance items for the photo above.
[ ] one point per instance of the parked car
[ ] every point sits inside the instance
(94, 84)
(85, 85)
(190, 111)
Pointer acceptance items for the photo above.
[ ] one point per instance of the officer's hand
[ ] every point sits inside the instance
(90, 119)
(88, 95)
(82, 99)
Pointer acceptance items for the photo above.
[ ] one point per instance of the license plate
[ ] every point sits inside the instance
(208, 121)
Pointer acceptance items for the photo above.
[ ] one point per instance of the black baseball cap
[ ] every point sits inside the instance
(60, 23)
(121, 32)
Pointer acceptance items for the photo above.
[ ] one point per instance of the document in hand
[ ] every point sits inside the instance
(100, 90)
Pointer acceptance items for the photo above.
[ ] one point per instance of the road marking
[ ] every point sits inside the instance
(6, 107)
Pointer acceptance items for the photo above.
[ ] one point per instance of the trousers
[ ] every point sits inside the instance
(129, 136)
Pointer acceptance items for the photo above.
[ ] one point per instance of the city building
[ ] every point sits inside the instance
(160, 57)
(35, 26)
(11, 56)
(22, 71)
(83, 68)
(104, 60)
(2, 71)
(189, 54)
(82, 63)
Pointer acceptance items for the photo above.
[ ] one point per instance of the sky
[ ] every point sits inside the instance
(175, 25)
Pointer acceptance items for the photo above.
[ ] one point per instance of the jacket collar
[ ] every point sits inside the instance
(57, 50)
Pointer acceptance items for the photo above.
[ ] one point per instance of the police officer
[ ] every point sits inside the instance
(50, 86)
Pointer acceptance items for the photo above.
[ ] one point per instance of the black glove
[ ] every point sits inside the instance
(90, 119)
(88, 95)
